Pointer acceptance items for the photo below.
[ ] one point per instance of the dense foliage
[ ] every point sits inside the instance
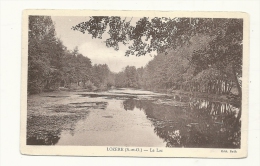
(51, 64)
(194, 54)
(174, 72)
(220, 57)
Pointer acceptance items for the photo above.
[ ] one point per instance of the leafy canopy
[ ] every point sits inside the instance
(155, 34)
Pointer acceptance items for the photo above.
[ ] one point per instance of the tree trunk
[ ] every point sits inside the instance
(237, 83)
(230, 87)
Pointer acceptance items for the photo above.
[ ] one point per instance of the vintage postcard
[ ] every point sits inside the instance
(134, 83)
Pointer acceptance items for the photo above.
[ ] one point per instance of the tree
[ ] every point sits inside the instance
(76, 68)
(224, 51)
(43, 53)
(131, 76)
(120, 80)
(101, 76)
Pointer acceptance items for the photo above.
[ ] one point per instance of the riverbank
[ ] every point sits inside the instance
(231, 98)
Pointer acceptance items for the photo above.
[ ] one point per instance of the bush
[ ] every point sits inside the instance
(90, 86)
(103, 87)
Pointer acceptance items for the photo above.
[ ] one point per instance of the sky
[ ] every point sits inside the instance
(95, 49)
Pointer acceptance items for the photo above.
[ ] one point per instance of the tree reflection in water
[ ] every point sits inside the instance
(200, 123)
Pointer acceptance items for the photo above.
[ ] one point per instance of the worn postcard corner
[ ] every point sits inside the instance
(134, 83)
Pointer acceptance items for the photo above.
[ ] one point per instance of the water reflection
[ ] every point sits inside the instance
(200, 123)
(99, 119)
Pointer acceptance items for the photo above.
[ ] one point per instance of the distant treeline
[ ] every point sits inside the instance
(51, 64)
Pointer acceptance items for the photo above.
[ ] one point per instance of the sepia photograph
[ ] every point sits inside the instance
(128, 83)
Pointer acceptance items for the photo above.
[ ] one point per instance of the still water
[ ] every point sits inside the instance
(127, 117)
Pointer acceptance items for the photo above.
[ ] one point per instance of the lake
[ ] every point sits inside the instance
(130, 117)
